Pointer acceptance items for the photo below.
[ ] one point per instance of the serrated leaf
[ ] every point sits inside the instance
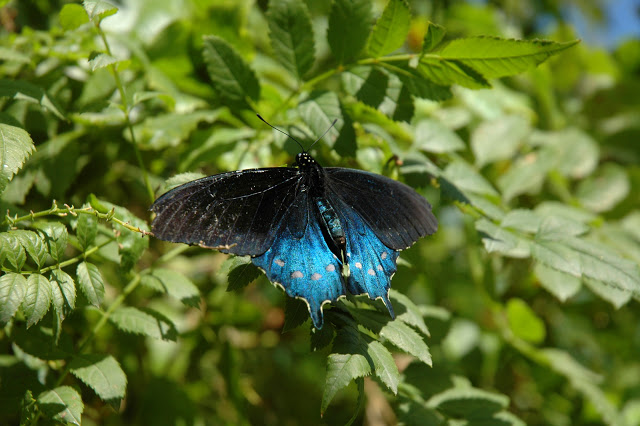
(349, 27)
(616, 296)
(55, 235)
(524, 323)
(500, 240)
(604, 190)
(405, 338)
(101, 60)
(406, 311)
(239, 272)
(498, 139)
(432, 38)
(33, 244)
(145, 322)
(495, 57)
(323, 337)
(468, 403)
(131, 244)
(446, 72)
(37, 298)
(62, 404)
(28, 410)
(12, 253)
(296, 313)
(63, 292)
(91, 282)
(560, 284)
(231, 76)
(391, 29)
(417, 85)
(174, 284)
(99, 9)
(15, 147)
(13, 288)
(86, 230)
(291, 35)
(433, 136)
(72, 16)
(384, 366)
(319, 111)
(24, 91)
(102, 373)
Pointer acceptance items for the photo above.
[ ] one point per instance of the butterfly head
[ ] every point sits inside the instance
(305, 161)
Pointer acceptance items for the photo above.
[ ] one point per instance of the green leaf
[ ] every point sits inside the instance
(99, 9)
(86, 230)
(526, 174)
(145, 322)
(560, 284)
(407, 311)
(433, 136)
(174, 284)
(15, 147)
(170, 130)
(11, 251)
(55, 235)
(498, 139)
(604, 190)
(434, 35)
(296, 313)
(468, 403)
(417, 85)
(28, 410)
(446, 72)
(91, 282)
(72, 16)
(37, 298)
(292, 35)
(13, 288)
(102, 373)
(63, 404)
(24, 91)
(323, 337)
(348, 363)
(101, 60)
(576, 153)
(231, 76)
(239, 272)
(616, 296)
(63, 292)
(319, 111)
(500, 240)
(384, 365)
(349, 27)
(33, 244)
(391, 29)
(494, 57)
(465, 178)
(524, 323)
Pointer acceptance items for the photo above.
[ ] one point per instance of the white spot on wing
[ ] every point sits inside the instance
(358, 265)
(330, 268)
(383, 255)
(279, 262)
(371, 272)
(296, 274)
(380, 268)
(316, 276)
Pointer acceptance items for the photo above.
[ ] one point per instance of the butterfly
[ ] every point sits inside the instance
(318, 232)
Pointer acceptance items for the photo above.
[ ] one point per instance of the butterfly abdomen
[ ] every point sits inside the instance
(332, 223)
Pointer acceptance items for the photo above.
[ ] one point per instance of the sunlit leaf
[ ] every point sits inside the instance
(15, 147)
(391, 28)
(63, 404)
(100, 372)
(349, 27)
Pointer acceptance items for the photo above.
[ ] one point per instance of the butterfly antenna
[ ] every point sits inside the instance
(325, 132)
(283, 132)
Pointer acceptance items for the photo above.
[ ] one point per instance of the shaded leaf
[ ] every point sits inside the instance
(55, 235)
(24, 91)
(63, 404)
(468, 403)
(63, 292)
(524, 323)
(33, 244)
(13, 288)
(12, 253)
(37, 298)
(291, 35)
(296, 313)
(86, 230)
(432, 38)
(102, 373)
(231, 76)
(446, 72)
(174, 284)
(349, 27)
(239, 271)
(146, 322)
(319, 111)
(604, 190)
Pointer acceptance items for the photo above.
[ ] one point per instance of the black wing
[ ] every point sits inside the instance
(396, 213)
(235, 212)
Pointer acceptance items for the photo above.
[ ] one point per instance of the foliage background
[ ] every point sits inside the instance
(529, 289)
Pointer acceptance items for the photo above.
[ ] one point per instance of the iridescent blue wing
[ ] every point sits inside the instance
(395, 212)
(380, 216)
(301, 262)
(236, 212)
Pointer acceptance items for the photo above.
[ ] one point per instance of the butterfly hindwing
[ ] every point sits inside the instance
(395, 212)
(301, 262)
(234, 212)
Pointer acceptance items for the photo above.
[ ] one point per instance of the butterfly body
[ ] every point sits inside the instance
(317, 232)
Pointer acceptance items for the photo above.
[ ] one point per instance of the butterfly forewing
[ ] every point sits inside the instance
(236, 212)
(396, 213)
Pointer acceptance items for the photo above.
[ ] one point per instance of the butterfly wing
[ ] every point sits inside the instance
(235, 212)
(395, 212)
(301, 262)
